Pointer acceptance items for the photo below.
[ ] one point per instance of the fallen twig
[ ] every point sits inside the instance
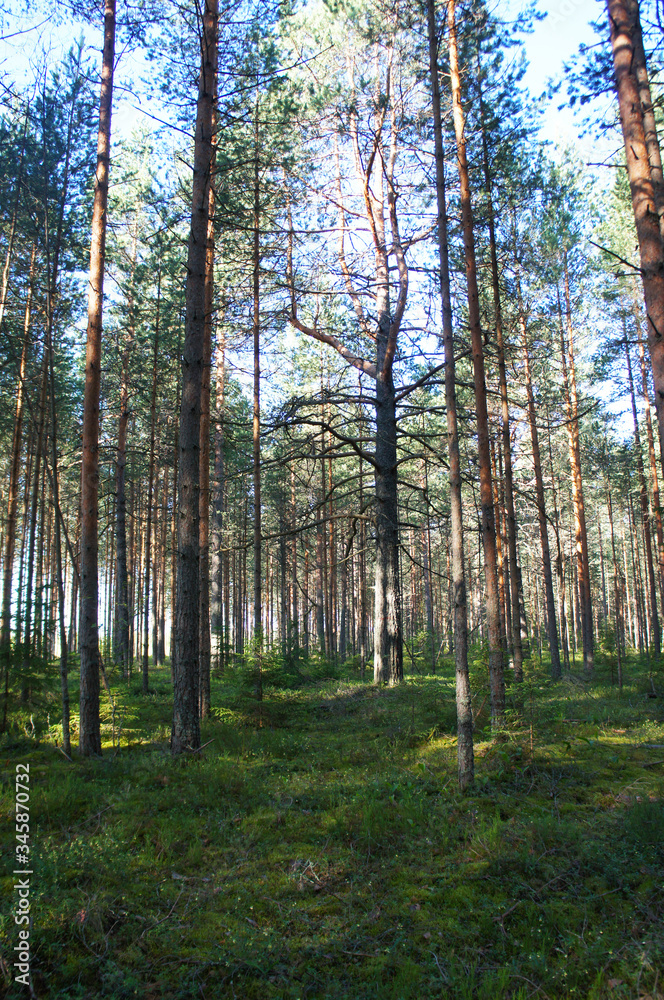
(170, 912)
(198, 750)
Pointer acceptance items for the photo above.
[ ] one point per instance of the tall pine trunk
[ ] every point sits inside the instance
(552, 628)
(580, 528)
(645, 512)
(465, 753)
(204, 503)
(89, 727)
(496, 678)
(514, 576)
(186, 734)
(151, 490)
(122, 584)
(644, 204)
(256, 423)
(14, 475)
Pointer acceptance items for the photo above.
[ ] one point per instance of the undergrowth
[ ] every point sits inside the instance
(319, 848)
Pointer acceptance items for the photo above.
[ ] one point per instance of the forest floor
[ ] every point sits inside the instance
(319, 847)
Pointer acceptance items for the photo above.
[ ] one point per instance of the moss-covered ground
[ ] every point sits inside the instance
(319, 847)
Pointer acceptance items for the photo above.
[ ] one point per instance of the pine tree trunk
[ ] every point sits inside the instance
(552, 628)
(466, 765)
(654, 480)
(640, 70)
(64, 684)
(651, 247)
(388, 641)
(122, 583)
(151, 478)
(616, 589)
(185, 733)
(14, 476)
(505, 414)
(645, 513)
(218, 601)
(585, 614)
(388, 626)
(89, 725)
(497, 683)
(204, 511)
(12, 227)
(256, 426)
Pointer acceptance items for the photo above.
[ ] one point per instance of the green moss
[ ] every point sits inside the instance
(319, 847)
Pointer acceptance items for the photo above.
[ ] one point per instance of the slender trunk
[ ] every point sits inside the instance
(14, 476)
(174, 538)
(122, 585)
(654, 480)
(27, 479)
(89, 728)
(256, 426)
(605, 613)
(465, 754)
(645, 512)
(497, 682)
(388, 640)
(636, 577)
(148, 528)
(500, 567)
(4, 291)
(186, 734)
(552, 628)
(585, 616)
(616, 590)
(30, 594)
(505, 413)
(204, 511)
(295, 624)
(218, 556)
(426, 573)
(64, 685)
(162, 568)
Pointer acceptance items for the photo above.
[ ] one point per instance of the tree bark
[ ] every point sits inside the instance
(151, 474)
(465, 752)
(89, 729)
(256, 424)
(580, 527)
(496, 678)
(12, 228)
(55, 482)
(552, 628)
(185, 734)
(218, 557)
(645, 513)
(616, 588)
(505, 412)
(640, 70)
(14, 475)
(654, 479)
(204, 511)
(646, 218)
(122, 584)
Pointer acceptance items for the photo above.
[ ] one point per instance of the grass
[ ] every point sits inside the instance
(320, 848)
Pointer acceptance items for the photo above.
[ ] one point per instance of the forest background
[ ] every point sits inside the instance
(375, 397)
